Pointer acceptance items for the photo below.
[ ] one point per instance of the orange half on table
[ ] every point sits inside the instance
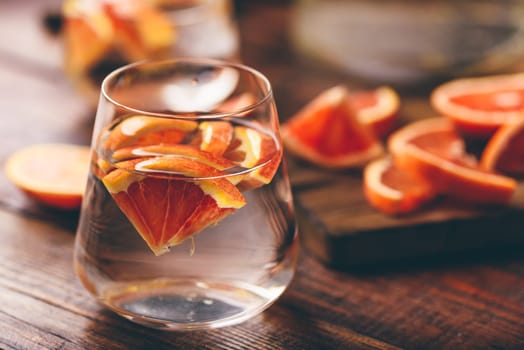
(52, 174)
(183, 206)
(433, 150)
(328, 133)
(479, 106)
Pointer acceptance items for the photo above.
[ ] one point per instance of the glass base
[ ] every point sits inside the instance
(181, 305)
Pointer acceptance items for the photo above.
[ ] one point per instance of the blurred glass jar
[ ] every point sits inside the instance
(102, 35)
(408, 41)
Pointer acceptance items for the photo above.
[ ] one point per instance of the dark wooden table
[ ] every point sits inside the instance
(471, 301)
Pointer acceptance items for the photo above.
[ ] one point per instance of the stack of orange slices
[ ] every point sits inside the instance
(173, 178)
(428, 157)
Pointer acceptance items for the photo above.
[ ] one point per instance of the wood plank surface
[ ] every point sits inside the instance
(471, 301)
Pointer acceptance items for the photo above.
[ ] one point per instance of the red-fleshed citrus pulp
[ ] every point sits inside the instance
(479, 106)
(187, 169)
(433, 150)
(328, 133)
(504, 152)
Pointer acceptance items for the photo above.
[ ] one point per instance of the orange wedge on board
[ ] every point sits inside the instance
(479, 106)
(377, 109)
(504, 152)
(52, 174)
(183, 206)
(328, 133)
(433, 150)
(142, 130)
(394, 191)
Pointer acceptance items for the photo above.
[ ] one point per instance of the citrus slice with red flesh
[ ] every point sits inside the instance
(52, 174)
(214, 136)
(479, 106)
(166, 210)
(328, 133)
(504, 152)
(254, 149)
(145, 130)
(176, 150)
(394, 191)
(433, 150)
(377, 109)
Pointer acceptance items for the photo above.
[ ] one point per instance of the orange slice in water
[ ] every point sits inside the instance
(377, 109)
(327, 132)
(214, 136)
(504, 152)
(167, 210)
(253, 149)
(53, 174)
(433, 150)
(176, 150)
(393, 191)
(142, 130)
(479, 106)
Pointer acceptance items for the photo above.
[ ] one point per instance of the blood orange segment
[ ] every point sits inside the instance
(214, 136)
(431, 149)
(504, 152)
(144, 130)
(327, 132)
(377, 109)
(254, 149)
(182, 206)
(479, 106)
(176, 150)
(53, 174)
(394, 191)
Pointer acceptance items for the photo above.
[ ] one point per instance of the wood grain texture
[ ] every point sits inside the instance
(468, 302)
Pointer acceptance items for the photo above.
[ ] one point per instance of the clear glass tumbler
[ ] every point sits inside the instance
(187, 220)
(103, 35)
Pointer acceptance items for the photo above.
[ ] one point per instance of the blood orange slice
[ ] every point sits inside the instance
(214, 136)
(327, 132)
(142, 130)
(504, 152)
(394, 191)
(433, 150)
(167, 210)
(479, 106)
(377, 109)
(53, 174)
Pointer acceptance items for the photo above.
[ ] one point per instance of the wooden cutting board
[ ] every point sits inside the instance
(339, 227)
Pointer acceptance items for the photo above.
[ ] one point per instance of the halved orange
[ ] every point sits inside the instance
(53, 174)
(479, 106)
(328, 133)
(504, 152)
(140, 130)
(433, 150)
(214, 136)
(193, 198)
(377, 109)
(394, 191)
(254, 149)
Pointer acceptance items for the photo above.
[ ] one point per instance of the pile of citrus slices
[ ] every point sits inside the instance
(424, 159)
(137, 30)
(173, 178)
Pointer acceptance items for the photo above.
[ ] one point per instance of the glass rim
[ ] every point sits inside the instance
(195, 115)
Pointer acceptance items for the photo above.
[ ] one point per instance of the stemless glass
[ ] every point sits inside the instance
(187, 220)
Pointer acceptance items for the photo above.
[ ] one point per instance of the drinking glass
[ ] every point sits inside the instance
(102, 35)
(187, 220)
